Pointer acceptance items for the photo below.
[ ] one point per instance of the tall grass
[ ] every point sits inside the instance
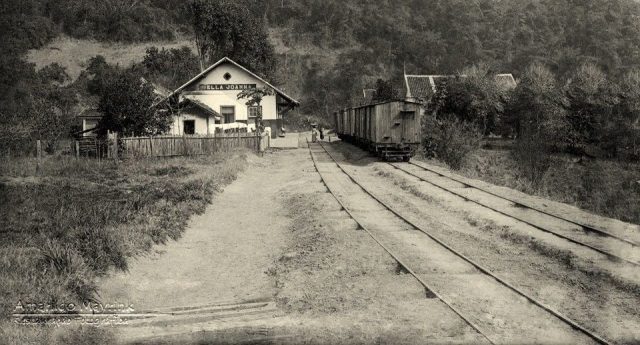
(67, 221)
(606, 187)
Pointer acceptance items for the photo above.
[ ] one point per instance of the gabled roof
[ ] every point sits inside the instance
(506, 80)
(226, 59)
(422, 87)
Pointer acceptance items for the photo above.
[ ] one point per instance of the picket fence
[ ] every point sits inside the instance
(171, 146)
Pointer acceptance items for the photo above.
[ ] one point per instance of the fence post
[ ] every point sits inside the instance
(38, 154)
(77, 149)
(38, 149)
(114, 148)
(184, 145)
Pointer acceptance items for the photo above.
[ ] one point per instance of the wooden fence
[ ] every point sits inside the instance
(189, 145)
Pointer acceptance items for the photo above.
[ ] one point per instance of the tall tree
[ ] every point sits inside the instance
(228, 28)
(384, 91)
(125, 103)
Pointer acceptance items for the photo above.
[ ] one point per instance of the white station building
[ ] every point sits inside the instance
(209, 104)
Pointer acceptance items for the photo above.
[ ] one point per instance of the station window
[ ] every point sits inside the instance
(189, 126)
(253, 111)
(229, 113)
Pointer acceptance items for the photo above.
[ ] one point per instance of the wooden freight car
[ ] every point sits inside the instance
(389, 129)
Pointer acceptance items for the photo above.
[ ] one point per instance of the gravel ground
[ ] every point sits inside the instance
(553, 273)
(341, 287)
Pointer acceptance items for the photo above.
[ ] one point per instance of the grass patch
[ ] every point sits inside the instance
(70, 221)
(563, 256)
(404, 185)
(607, 188)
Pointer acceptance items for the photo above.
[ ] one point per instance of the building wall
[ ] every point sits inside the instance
(200, 119)
(89, 123)
(218, 98)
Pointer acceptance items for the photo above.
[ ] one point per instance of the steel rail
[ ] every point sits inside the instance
(601, 251)
(481, 268)
(394, 256)
(529, 206)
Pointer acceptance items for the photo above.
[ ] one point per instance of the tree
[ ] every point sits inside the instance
(473, 96)
(593, 100)
(50, 110)
(170, 67)
(228, 28)
(384, 91)
(538, 113)
(254, 97)
(125, 103)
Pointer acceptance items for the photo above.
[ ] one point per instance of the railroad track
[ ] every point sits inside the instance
(613, 239)
(547, 309)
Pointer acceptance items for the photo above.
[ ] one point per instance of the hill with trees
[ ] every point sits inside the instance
(326, 51)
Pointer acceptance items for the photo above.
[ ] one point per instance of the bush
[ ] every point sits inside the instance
(450, 139)
(537, 110)
(533, 157)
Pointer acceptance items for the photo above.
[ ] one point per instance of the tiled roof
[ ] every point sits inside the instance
(422, 87)
(506, 81)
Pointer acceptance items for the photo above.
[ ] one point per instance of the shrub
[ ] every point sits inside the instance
(537, 110)
(532, 156)
(450, 139)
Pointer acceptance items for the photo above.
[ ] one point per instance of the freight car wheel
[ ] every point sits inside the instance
(406, 158)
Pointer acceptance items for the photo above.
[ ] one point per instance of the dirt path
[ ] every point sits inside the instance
(221, 257)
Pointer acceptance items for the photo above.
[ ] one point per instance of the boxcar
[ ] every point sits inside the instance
(389, 129)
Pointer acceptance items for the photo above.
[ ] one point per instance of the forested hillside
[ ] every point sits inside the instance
(327, 50)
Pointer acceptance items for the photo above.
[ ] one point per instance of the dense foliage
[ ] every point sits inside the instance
(170, 68)
(125, 100)
(329, 50)
(229, 28)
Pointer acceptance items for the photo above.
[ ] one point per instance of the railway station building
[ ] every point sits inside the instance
(208, 103)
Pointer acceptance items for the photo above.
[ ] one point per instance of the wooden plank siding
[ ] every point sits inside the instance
(395, 122)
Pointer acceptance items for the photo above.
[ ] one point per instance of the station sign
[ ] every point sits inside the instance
(210, 87)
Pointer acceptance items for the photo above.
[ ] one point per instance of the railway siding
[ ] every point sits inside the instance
(503, 315)
(616, 248)
(614, 226)
(540, 264)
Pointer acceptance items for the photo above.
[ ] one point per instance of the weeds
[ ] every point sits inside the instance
(75, 220)
(404, 185)
(565, 257)
(450, 139)
(608, 188)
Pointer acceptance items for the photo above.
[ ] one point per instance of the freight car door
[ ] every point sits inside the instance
(408, 126)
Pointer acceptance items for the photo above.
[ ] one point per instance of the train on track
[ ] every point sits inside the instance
(388, 129)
